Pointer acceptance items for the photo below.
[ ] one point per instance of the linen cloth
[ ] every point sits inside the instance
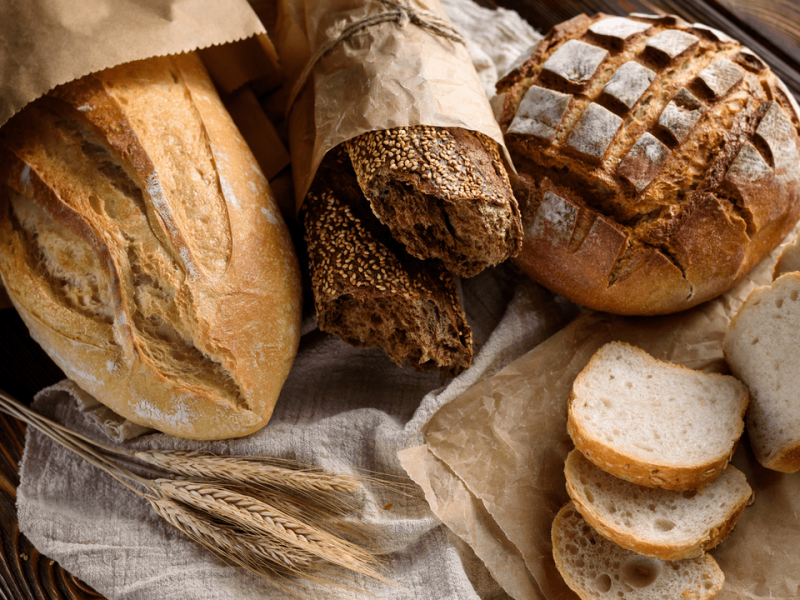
(341, 408)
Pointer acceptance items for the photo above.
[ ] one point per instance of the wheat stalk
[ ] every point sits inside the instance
(265, 530)
(255, 553)
(249, 471)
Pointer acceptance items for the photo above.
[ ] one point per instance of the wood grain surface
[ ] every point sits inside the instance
(771, 28)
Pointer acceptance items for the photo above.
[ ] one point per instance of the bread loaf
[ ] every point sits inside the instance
(368, 290)
(761, 349)
(663, 159)
(442, 192)
(654, 423)
(598, 569)
(141, 245)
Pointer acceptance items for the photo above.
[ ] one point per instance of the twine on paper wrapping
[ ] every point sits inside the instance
(401, 13)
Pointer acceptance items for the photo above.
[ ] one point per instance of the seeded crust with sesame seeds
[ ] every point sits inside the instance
(368, 290)
(443, 192)
(664, 159)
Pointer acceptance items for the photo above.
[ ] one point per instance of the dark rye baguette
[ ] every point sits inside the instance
(141, 244)
(443, 192)
(368, 290)
(663, 159)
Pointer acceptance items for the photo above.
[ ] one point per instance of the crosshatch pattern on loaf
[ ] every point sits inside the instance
(612, 119)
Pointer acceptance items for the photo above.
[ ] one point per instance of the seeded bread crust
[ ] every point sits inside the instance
(141, 245)
(662, 472)
(368, 290)
(583, 478)
(442, 192)
(662, 158)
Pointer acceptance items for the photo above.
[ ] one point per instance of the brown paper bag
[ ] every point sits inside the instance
(394, 72)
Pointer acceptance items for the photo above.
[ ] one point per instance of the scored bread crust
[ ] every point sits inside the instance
(142, 246)
(755, 356)
(596, 568)
(368, 290)
(443, 192)
(642, 541)
(651, 473)
(663, 160)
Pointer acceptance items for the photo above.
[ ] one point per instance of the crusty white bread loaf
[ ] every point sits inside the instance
(140, 243)
(443, 192)
(368, 290)
(598, 569)
(665, 524)
(664, 159)
(655, 423)
(761, 347)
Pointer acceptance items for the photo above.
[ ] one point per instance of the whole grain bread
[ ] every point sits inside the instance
(663, 159)
(655, 423)
(140, 243)
(761, 349)
(368, 290)
(598, 569)
(442, 192)
(665, 524)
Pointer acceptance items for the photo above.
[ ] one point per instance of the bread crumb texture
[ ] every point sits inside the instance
(653, 422)
(761, 349)
(598, 569)
(662, 158)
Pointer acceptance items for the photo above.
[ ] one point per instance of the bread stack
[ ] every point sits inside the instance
(649, 481)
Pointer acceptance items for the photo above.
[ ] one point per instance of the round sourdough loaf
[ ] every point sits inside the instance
(141, 244)
(661, 159)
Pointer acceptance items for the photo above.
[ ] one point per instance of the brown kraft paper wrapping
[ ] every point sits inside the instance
(392, 74)
(505, 441)
(50, 42)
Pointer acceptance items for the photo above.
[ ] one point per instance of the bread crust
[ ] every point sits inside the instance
(644, 545)
(661, 474)
(179, 305)
(664, 160)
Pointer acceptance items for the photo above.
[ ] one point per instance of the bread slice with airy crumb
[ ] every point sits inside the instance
(655, 423)
(761, 349)
(665, 524)
(598, 569)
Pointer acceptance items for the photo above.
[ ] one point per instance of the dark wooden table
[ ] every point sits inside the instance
(771, 28)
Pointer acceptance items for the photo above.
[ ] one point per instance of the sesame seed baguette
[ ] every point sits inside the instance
(655, 423)
(368, 290)
(443, 192)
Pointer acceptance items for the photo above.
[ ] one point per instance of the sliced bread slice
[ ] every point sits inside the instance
(655, 423)
(665, 524)
(761, 349)
(598, 569)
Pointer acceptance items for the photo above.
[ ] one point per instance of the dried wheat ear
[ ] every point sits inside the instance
(662, 161)
(288, 523)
